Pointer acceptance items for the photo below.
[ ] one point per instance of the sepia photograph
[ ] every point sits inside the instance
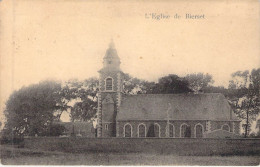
(132, 83)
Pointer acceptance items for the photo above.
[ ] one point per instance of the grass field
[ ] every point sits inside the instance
(18, 156)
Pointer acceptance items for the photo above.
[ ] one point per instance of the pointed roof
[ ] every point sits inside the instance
(111, 52)
(111, 60)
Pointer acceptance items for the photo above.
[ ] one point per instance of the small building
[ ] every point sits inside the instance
(157, 115)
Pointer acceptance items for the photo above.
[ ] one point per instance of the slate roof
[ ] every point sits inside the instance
(209, 106)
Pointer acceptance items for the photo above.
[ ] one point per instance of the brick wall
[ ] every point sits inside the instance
(215, 125)
(177, 125)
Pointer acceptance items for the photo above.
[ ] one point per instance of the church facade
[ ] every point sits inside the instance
(158, 115)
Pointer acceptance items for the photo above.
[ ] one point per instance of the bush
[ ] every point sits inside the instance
(57, 130)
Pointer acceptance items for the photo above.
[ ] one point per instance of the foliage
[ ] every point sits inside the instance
(197, 82)
(84, 110)
(85, 93)
(135, 86)
(170, 84)
(245, 99)
(56, 130)
(30, 110)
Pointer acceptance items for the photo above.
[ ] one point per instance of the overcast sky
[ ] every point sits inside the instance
(68, 39)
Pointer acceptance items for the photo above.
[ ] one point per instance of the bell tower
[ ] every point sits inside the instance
(110, 93)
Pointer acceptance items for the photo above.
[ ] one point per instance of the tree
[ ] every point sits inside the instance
(85, 107)
(134, 85)
(197, 82)
(84, 110)
(170, 84)
(30, 110)
(245, 96)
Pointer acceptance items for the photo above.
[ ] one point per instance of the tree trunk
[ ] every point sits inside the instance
(246, 129)
(247, 118)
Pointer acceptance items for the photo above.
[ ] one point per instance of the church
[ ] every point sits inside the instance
(158, 115)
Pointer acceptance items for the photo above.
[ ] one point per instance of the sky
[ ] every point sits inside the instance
(63, 39)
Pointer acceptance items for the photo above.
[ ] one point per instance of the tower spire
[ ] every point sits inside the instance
(112, 44)
(111, 61)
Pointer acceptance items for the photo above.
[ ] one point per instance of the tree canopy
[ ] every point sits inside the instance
(198, 82)
(31, 109)
(245, 96)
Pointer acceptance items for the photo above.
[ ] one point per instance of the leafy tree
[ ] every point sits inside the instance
(134, 85)
(245, 96)
(197, 82)
(170, 84)
(85, 107)
(30, 110)
(84, 110)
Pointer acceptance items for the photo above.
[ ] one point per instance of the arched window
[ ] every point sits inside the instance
(157, 129)
(127, 130)
(109, 84)
(198, 133)
(141, 130)
(185, 130)
(106, 126)
(226, 127)
(171, 130)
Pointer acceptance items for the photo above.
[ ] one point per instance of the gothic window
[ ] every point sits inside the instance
(127, 130)
(185, 130)
(109, 84)
(141, 130)
(171, 130)
(226, 127)
(198, 131)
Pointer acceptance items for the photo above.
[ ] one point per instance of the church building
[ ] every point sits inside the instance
(158, 115)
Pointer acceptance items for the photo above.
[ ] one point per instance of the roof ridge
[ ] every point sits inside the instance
(182, 94)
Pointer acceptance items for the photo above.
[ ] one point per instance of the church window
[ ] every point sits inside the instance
(127, 130)
(185, 130)
(109, 84)
(156, 130)
(106, 126)
(141, 130)
(198, 131)
(171, 130)
(226, 127)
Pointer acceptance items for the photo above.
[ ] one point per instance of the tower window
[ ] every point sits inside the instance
(109, 84)
(106, 126)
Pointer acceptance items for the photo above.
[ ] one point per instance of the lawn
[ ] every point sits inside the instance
(20, 156)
